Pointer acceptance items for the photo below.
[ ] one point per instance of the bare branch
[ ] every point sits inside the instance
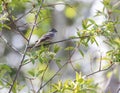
(100, 62)
(100, 70)
(9, 45)
(24, 15)
(30, 79)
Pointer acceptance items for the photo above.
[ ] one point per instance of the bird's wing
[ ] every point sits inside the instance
(46, 37)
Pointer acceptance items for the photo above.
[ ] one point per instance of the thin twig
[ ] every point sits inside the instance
(29, 61)
(9, 45)
(32, 86)
(49, 5)
(71, 57)
(24, 15)
(30, 79)
(100, 70)
(44, 73)
(51, 78)
(6, 82)
(100, 62)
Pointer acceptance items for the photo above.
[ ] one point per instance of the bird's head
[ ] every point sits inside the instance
(53, 30)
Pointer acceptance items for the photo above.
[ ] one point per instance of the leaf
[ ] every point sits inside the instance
(5, 68)
(7, 27)
(32, 72)
(32, 60)
(72, 37)
(110, 51)
(40, 72)
(92, 40)
(58, 64)
(96, 42)
(77, 76)
(4, 17)
(106, 2)
(92, 21)
(80, 51)
(78, 33)
(41, 60)
(26, 60)
(69, 48)
(56, 48)
(84, 23)
(14, 89)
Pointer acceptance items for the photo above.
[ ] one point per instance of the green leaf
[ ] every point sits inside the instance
(4, 17)
(84, 23)
(92, 21)
(58, 64)
(32, 72)
(7, 27)
(72, 37)
(78, 33)
(26, 60)
(106, 2)
(96, 42)
(39, 73)
(5, 69)
(80, 51)
(1, 83)
(69, 48)
(56, 48)
(32, 60)
(14, 89)
(41, 60)
(92, 40)
(77, 76)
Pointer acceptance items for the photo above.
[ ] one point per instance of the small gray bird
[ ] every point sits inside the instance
(46, 37)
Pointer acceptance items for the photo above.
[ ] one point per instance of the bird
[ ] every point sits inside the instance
(46, 37)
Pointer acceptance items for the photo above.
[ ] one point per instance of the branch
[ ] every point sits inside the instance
(42, 78)
(64, 40)
(24, 15)
(51, 78)
(25, 51)
(30, 79)
(100, 70)
(9, 45)
(6, 81)
(54, 4)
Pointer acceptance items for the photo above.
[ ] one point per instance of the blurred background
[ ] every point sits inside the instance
(66, 17)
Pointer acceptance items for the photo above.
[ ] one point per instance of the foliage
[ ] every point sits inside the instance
(37, 20)
(79, 85)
